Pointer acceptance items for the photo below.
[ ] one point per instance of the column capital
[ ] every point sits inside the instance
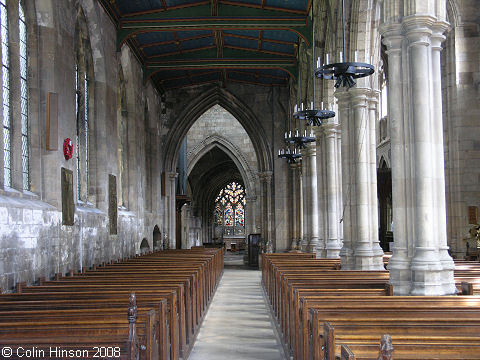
(172, 176)
(330, 129)
(418, 29)
(360, 96)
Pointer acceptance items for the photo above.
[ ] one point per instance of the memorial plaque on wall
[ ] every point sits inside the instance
(68, 208)
(112, 203)
(473, 215)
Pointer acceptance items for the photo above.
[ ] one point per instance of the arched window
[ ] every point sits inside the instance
(22, 27)
(122, 152)
(230, 209)
(7, 119)
(83, 86)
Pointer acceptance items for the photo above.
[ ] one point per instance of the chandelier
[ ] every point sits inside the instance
(346, 72)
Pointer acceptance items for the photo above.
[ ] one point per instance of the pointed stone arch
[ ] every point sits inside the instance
(245, 116)
(232, 151)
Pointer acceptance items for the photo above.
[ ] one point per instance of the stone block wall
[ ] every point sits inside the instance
(33, 241)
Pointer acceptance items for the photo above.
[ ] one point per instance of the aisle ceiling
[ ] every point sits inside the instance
(188, 42)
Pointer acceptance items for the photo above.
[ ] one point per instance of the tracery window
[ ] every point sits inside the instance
(7, 121)
(22, 27)
(230, 209)
(83, 89)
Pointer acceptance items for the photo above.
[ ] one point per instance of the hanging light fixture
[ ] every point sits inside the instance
(291, 154)
(344, 73)
(312, 116)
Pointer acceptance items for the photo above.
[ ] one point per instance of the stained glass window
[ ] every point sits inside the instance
(239, 216)
(229, 215)
(7, 126)
(24, 96)
(230, 208)
(218, 215)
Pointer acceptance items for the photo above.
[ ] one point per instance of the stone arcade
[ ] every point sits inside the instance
(162, 118)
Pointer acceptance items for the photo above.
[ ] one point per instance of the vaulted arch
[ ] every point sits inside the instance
(233, 105)
(232, 151)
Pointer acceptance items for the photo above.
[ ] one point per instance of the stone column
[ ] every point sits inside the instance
(172, 212)
(250, 215)
(347, 259)
(399, 263)
(445, 259)
(266, 186)
(420, 264)
(361, 205)
(425, 265)
(295, 210)
(315, 245)
(373, 115)
(306, 195)
(268, 180)
(321, 189)
(333, 243)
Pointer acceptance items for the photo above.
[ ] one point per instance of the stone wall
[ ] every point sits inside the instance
(33, 241)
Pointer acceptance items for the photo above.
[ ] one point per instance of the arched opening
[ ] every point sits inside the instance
(144, 246)
(217, 151)
(385, 213)
(157, 239)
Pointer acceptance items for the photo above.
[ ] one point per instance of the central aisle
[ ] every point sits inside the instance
(238, 323)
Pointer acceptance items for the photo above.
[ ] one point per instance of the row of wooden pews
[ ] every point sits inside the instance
(146, 307)
(326, 313)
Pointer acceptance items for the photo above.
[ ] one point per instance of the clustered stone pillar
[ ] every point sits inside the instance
(306, 196)
(333, 190)
(420, 264)
(361, 249)
(267, 211)
(172, 214)
(315, 245)
(295, 206)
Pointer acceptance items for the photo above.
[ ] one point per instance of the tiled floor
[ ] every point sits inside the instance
(238, 323)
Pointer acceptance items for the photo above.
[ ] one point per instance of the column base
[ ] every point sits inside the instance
(448, 280)
(347, 260)
(293, 244)
(426, 273)
(400, 273)
(332, 249)
(367, 263)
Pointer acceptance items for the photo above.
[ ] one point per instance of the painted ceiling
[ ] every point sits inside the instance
(187, 42)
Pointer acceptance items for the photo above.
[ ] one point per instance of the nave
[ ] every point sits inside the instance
(238, 324)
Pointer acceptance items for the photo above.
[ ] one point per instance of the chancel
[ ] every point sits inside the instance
(240, 179)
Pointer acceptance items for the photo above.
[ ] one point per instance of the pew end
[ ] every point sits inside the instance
(346, 353)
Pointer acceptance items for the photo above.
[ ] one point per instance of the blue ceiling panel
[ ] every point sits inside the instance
(160, 49)
(257, 2)
(252, 33)
(180, 2)
(197, 43)
(206, 77)
(243, 43)
(288, 4)
(189, 33)
(154, 37)
(283, 35)
(282, 48)
(165, 74)
(133, 6)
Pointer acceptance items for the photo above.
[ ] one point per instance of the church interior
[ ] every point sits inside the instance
(164, 162)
